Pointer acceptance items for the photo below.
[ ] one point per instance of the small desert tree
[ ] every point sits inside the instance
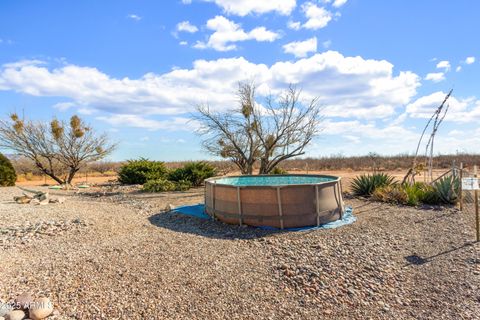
(251, 132)
(7, 172)
(56, 147)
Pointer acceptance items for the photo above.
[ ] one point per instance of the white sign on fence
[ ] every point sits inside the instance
(470, 184)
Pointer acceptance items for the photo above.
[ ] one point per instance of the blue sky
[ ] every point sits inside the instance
(136, 69)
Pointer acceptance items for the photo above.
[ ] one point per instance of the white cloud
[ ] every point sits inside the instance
(294, 25)
(245, 7)
(444, 64)
(470, 60)
(136, 121)
(227, 32)
(458, 69)
(186, 1)
(317, 17)
(327, 44)
(86, 111)
(186, 26)
(339, 3)
(460, 110)
(63, 106)
(389, 138)
(183, 43)
(134, 17)
(346, 86)
(301, 48)
(435, 76)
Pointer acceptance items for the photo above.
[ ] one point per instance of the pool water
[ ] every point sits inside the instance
(272, 180)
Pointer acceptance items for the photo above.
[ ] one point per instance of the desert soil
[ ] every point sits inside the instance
(347, 177)
(112, 253)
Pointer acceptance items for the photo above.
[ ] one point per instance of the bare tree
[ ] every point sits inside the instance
(54, 147)
(231, 134)
(285, 128)
(251, 132)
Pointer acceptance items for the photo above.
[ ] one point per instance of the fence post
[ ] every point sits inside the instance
(461, 190)
(477, 218)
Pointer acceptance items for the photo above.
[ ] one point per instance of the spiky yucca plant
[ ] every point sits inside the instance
(366, 184)
(447, 189)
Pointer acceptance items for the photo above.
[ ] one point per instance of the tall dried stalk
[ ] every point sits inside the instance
(437, 119)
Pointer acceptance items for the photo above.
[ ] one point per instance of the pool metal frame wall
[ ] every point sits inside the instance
(281, 206)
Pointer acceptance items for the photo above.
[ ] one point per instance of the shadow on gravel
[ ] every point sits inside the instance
(207, 228)
(417, 260)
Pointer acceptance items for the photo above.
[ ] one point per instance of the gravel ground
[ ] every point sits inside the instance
(113, 254)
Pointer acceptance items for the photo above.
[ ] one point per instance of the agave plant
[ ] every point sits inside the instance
(365, 185)
(447, 189)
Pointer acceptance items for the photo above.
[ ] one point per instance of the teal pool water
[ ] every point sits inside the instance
(272, 180)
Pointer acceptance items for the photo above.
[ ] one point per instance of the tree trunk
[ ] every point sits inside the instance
(71, 175)
(49, 173)
(53, 176)
(264, 166)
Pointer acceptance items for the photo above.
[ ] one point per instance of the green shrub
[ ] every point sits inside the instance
(159, 185)
(393, 193)
(278, 170)
(7, 172)
(415, 193)
(411, 195)
(141, 170)
(365, 185)
(193, 172)
(447, 189)
(162, 185)
(429, 195)
(182, 185)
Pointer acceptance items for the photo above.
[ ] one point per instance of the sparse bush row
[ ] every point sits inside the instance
(382, 187)
(155, 177)
(375, 162)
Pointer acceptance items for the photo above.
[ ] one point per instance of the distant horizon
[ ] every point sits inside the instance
(300, 158)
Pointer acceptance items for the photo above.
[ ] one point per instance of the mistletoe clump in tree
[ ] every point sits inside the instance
(58, 149)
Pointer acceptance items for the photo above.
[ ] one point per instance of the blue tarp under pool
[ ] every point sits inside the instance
(198, 211)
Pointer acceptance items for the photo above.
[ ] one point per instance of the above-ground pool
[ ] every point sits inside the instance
(281, 201)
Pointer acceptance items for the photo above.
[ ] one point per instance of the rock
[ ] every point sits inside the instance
(41, 308)
(5, 308)
(57, 200)
(42, 196)
(24, 301)
(35, 202)
(23, 199)
(15, 315)
(169, 207)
